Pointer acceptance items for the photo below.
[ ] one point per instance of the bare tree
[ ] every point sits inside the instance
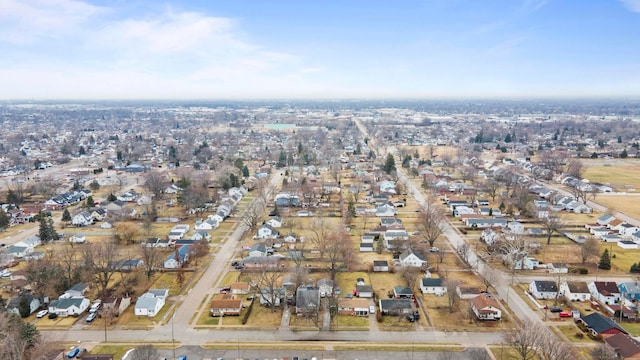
(410, 274)
(151, 257)
(575, 168)
(145, 352)
(551, 223)
(338, 251)
(126, 232)
(429, 222)
(583, 192)
(251, 216)
(198, 250)
(268, 288)
(66, 256)
(319, 235)
(47, 186)
(452, 294)
(156, 182)
(603, 352)
(525, 340)
(18, 340)
(102, 263)
(489, 276)
(589, 249)
(464, 251)
(552, 348)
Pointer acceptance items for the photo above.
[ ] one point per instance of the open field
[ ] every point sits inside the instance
(627, 205)
(621, 174)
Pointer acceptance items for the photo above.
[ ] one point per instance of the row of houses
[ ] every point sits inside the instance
(605, 292)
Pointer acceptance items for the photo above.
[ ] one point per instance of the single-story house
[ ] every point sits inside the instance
(177, 258)
(274, 222)
(267, 232)
(240, 288)
(395, 306)
(151, 302)
(599, 324)
(269, 296)
(409, 258)
(117, 305)
(624, 346)
(69, 306)
(222, 307)
(630, 290)
(485, 307)
(353, 306)
(380, 266)
(78, 238)
(259, 249)
(364, 291)
(468, 292)
(529, 263)
(433, 286)
(261, 262)
(14, 303)
(402, 292)
(575, 291)
(558, 268)
(628, 245)
(543, 289)
(77, 290)
(366, 247)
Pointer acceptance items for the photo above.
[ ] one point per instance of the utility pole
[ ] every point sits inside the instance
(173, 340)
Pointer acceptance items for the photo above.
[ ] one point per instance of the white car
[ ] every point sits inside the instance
(42, 313)
(372, 309)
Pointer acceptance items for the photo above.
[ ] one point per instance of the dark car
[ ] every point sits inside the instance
(411, 318)
(555, 309)
(225, 290)
(234, 263)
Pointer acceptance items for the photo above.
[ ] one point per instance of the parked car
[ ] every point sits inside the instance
(92, 317)
(372, 309)
(73, 353)
(42, 313)
(564, 314)
(234, 263)
(411, 318)
(555, 309)
(434, 249)
(360, 281)
(225, 290)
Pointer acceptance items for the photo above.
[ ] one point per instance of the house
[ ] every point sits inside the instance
(128, 265)
(83, 218)
(627, 230)
(380, 266)
(222, 307)
(200, 235)
(402, 292)
(325, 286)
(267, 232)
(99, 214)
(31, 242)
(17, 251)
(483, 223)
(14, 303)
(261, 262)
(208, 224)
(624, 346)
(78, 238)
(543, 289)
(76, 291)
(468, 292)
(364, 291)
(485, 307)
(366, 247)
(528, 263)
(353, 306)
(606, 292)
(575, 291)
(409, 258)
(628, 245)
(258, 250)
(432, 286)
(269, 296)
(489, 236)
(605, 219)
(177, 258)
(240, 288)
(395, 306)
(307, 299)
(558, 268)
(394, 237)
(515, 227)
(599, 324)
(630, 290)
(275, 222)
(116, 305)
(69, 306)
(151, 302)
(385, 210)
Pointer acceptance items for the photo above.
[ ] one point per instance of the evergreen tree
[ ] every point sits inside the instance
(390, 164)
(46, 231)
(624, 154)
(282, 159)
(13, 198)
(245, 171)
(605, 261)
(66, 216)
(23, 306)
(94, 185)
(507, 138)
(4, 219)
(406, 161)
(112, 197)
(89, 202)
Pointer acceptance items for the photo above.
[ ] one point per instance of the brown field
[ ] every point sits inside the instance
(627, 205)
(383, 283)
(262, 317)
(621, 174)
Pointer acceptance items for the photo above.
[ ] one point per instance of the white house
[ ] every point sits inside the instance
(274, 222)
(177, 258)
(628, 245)
(69, 306)
(575, 291)
(151, 302)
(433, 286)
(258, 250)
(366, 247)
(485, 307)
(78, 238)
(627, 230)
(542, 289)
(267, 232)
(529, 263)
(207, 224)
(201, 235)
(409, 258)
(82, 219)
(606, 292)
(489, 236)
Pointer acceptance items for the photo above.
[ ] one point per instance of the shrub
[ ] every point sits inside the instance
(52, 315)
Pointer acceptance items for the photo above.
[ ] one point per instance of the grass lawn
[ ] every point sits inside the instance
(207, 320)
(632, 328)
(262, 317)
(347, 280)
(57, 323)
(301, 322)
(117, 351)
(396, 323)
(506, 353)
(229, 278)
(384, 282)
(570, 331)
(168, 280)
(623, 175)
(351, 321)
(624, 204)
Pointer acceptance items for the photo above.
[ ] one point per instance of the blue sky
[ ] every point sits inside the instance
(266, 49)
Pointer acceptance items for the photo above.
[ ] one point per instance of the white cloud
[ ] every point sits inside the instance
(632, 5)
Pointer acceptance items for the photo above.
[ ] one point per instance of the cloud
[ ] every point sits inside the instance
(78, 50)
(632, 5)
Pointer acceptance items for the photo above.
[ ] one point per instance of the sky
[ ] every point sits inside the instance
(330, 49)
